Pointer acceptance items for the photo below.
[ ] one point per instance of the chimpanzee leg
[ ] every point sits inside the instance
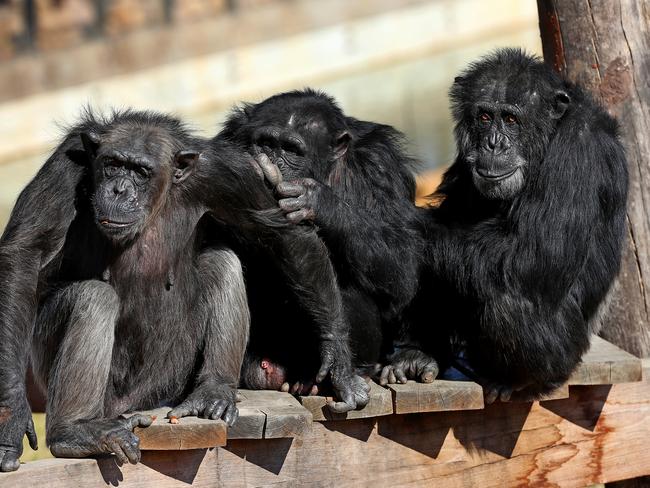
(225, 315)
(73, 347)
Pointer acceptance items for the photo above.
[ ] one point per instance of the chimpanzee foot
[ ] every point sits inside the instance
(103, 436)
(351, 390)
(211, 402)
(409, 364)
(304, 388)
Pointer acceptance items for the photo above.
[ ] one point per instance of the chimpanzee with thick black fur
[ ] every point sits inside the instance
(354, 181)
(527, 237)
(111, 267)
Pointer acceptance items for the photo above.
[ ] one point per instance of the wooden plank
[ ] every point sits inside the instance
(439, 396)
(558, 394)
(381, 403)
(188, 433)
(606, 364)
(285, 417)
(598, 435)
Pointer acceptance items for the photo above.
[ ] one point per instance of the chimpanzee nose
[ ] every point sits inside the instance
(121, 186)
(497, 143)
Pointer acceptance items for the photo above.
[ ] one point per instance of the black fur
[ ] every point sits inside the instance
(354, 181)
(521, 263)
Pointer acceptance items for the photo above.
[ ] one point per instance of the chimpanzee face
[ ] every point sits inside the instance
(304, 133)
(133, 169)
(504, 122)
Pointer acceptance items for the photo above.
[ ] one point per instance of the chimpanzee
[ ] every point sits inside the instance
(526, 239)
(354, 181)
(111, 266)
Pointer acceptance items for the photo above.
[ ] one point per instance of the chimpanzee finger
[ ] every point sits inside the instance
(322, 373)
(399, 374)
(131, 447)
(218, 410)
(285, 387)
(491, 393)
(116, 449)
(183, 410)
(31, 435)
(10, 461)
(313, 391)
(287, 189)
(292, 204)
(505, 395)
(341, 407)
(429, 373)
(138, 421)
(270, 170)
(383, 378)
(294, 388)
(207, 411)
(231, 415)
(300, 215)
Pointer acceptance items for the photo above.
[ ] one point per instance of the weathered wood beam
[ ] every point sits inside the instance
(596, 436)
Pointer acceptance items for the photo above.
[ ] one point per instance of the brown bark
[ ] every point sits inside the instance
(604, 45)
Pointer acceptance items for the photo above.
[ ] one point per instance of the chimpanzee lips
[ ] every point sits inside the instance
(494, 175)
(114, 224)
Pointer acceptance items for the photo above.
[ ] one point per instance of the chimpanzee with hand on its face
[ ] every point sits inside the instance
(354, 182)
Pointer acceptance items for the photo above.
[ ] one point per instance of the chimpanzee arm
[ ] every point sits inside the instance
(369, 231)
(226, 182)
(227, 319)
(34, 234)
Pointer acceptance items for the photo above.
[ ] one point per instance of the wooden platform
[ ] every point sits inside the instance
(408, 434)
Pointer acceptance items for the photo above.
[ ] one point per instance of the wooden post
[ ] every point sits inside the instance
(604, 46)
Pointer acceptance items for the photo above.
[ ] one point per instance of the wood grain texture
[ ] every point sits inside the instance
(606, 364)
(188, 433)
(439, 396)
(285, 417)
(381, 403)
(596, 436)
(603, 46)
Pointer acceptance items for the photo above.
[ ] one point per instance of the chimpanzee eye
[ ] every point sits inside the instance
(110, 170)
(510, 119)
(140, 174)
(484, 117)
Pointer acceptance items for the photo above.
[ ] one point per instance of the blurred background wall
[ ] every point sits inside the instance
(385, 60)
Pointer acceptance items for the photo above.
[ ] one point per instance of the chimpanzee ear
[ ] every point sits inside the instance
(342, 144)
(560, 104)
(184, 162)
(90, 141)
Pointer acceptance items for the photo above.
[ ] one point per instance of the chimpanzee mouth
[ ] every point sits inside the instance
(493, 175)
(113, 224)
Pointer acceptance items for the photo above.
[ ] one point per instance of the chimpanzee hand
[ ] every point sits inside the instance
(305, 199)
(15, 422)
(213, 401)
(100, 436)
(409, 364)
(348, 386)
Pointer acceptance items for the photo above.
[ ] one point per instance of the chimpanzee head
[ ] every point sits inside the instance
(506, 108)
(304, 132)
(135, 163)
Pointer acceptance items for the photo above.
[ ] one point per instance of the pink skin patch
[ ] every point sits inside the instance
(275, 374)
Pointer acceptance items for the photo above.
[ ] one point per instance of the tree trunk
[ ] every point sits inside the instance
(604, 46)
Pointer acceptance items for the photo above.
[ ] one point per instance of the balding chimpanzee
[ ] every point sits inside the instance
(526, 239)
(354, 182)
(111, 267)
